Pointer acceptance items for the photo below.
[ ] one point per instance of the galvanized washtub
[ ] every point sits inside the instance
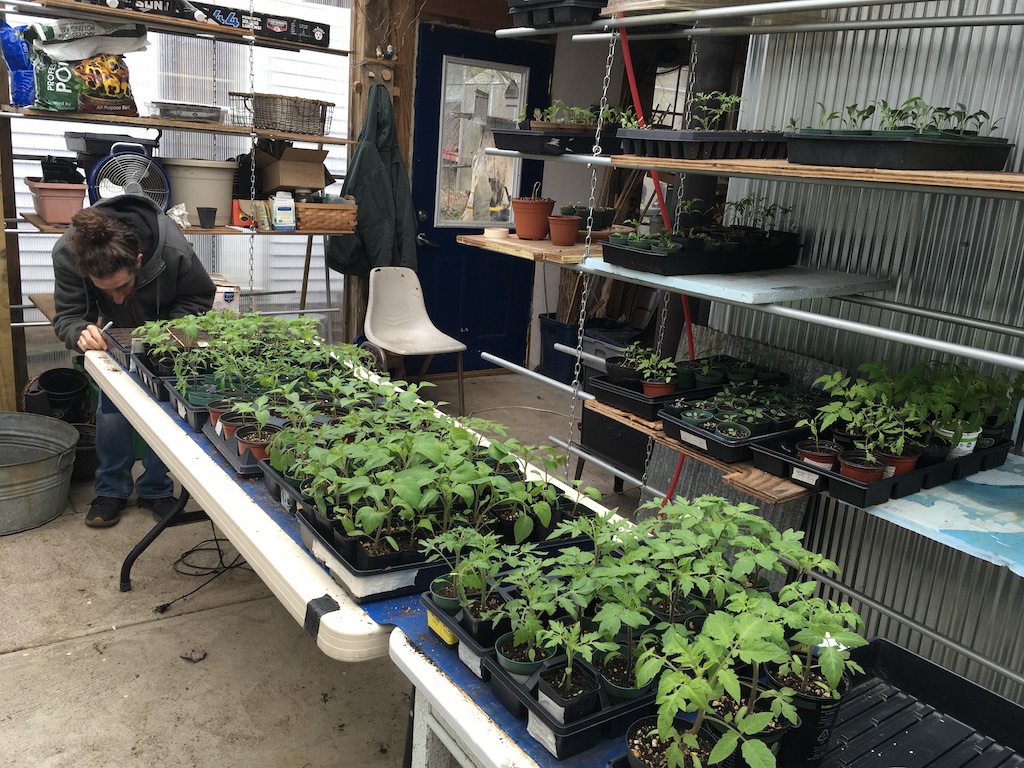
(37, 454)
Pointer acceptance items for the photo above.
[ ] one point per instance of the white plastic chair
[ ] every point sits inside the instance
(397, 320)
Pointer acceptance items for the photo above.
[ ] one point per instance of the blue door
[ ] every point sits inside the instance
(469, 83)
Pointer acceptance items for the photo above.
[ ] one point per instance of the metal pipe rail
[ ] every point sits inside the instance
(934, 314)
(706, 14)
(580, 453)
(603, 161)
(984, 20)
(569, 390)
(916, 626)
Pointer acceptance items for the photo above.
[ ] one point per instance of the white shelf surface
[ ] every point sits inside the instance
(981, 515)
(767, 287)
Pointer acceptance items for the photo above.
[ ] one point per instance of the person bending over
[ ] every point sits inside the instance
(125, 261)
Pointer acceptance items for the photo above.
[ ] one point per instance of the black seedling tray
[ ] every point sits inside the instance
(899, 151)
(703, 145)
(471, 653)
(704, 262)
(564, 739)
(716, 446)
(244, 464)
(157, 385)
(908, 711)
(633, 400)
(116, 338)
(551, 14)
(777, 456)
(278, 487)
(365, 586)
(194, 415)
(556, 142)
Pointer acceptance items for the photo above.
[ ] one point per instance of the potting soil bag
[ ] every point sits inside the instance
(19, 65)
(78, 65)
(77, 39)
(98, 85)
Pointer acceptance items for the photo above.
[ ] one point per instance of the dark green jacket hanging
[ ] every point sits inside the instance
(385, 235)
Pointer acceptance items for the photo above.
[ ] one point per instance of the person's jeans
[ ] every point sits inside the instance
(115, 449)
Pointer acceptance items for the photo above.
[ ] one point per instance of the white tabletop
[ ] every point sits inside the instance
(344, 633)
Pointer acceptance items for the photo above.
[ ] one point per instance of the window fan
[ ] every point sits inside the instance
(127, 170)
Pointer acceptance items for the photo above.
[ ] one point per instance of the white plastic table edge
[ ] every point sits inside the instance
(346, 634)
(488, 743)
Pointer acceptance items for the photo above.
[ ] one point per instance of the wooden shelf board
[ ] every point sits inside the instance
(58, 229)
(742, 475)
(156, 123)
(534, 250)
(997, 181)
(167, 24)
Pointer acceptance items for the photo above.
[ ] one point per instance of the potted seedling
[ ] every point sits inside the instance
(530, 215)
(567, 691)
(658, 375)
(532, 601)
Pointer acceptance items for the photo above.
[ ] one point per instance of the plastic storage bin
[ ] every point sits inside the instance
(56, 203)
(200, 184)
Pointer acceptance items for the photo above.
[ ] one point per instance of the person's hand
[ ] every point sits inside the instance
(92, 338)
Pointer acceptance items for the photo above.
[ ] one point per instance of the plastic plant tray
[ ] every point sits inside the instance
(157, 385)
(777, 456)
(703, 145)
(551, 14)
(910, 712)
(700, 262)
(119, 345)
(564, 739)
(471, 653)
(633, 400)
(194, 415)
(900, 151)
(729, 451)
(364, 586)
(278, 488)
(556, 142)
(244, 464)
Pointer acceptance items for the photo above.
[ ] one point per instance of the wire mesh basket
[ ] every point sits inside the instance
(289, 114)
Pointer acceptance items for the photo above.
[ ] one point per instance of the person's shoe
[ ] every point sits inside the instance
(161, 507)
(104, 511)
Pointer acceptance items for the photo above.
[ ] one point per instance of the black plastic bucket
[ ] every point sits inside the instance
(66, 390)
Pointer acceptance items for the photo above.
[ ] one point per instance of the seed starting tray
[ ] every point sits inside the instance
(702, 262)
(777, 456)
(564, 739)
(716, 446)
(194, 415)
(633, 400)
(909, 152)
(910, 712)
(157, 385)
(244, 463)
(703, 145)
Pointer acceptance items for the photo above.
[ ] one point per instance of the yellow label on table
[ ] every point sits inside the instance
(440, 629)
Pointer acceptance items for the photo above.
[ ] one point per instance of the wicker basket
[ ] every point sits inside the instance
(326, 216)
(289, 114)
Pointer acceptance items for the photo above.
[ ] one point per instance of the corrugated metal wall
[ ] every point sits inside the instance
(956, 254)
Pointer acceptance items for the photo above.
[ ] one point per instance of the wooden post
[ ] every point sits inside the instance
(13, 367)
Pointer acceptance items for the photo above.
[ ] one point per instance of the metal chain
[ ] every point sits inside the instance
(582, 319)
(662, 322)
(252, 167)
(691, 81)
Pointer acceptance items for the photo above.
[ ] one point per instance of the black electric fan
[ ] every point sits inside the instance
(127, 170)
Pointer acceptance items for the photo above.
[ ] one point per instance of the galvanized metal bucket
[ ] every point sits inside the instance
(37, 454)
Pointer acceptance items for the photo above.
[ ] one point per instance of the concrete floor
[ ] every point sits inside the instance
(93, 677)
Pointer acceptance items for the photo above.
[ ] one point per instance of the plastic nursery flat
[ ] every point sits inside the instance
(777, 456)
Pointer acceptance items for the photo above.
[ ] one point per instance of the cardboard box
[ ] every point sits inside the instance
(295, 169)
(228, 296)
(271, 27)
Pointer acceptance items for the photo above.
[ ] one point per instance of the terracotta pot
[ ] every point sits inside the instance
(900, 465)
(258, 448)
(855, 466)
(820, 453)
(564, 229)
(658, 388)
(531, 217)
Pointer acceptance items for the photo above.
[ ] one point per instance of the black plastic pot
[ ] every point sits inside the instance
(807, 745)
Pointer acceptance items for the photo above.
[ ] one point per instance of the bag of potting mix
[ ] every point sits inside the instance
(19, 65)
(79, 66)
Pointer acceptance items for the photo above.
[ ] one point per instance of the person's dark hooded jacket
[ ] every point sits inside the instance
(171, 281)
(385, 234)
